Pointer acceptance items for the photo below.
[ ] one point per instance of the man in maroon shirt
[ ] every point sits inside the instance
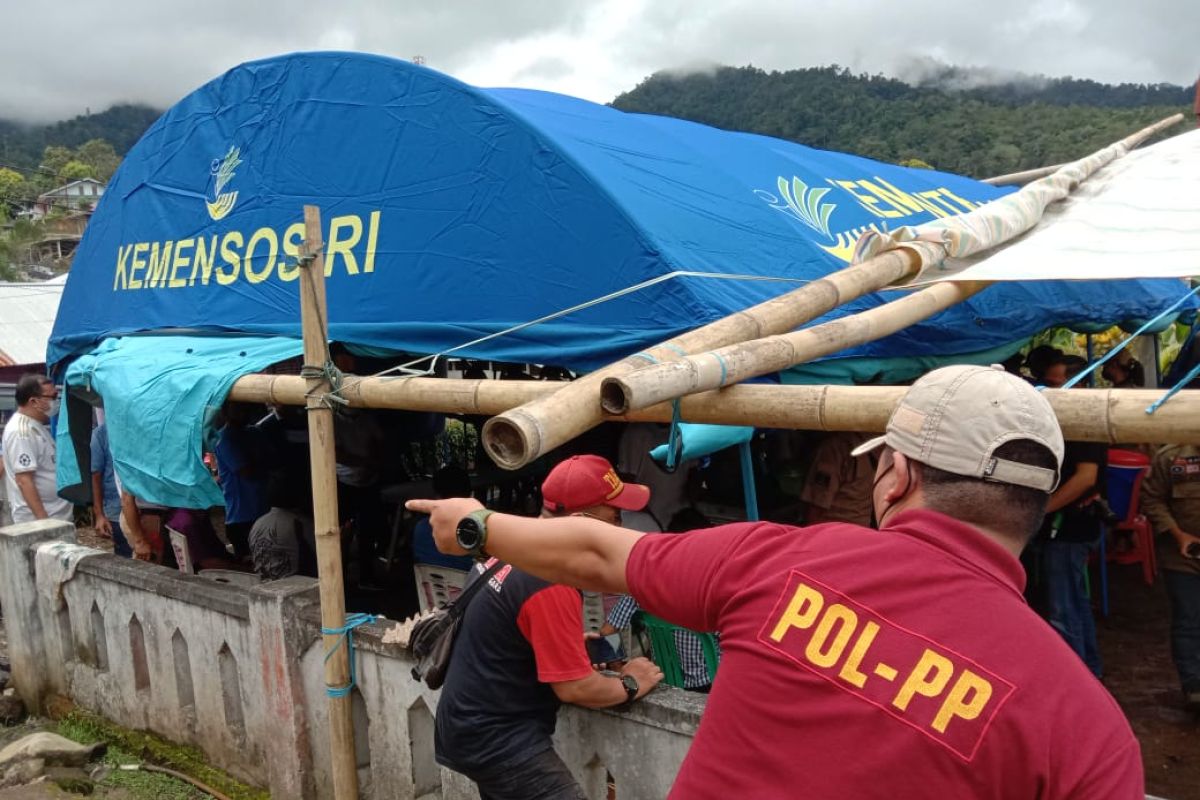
(872, 664)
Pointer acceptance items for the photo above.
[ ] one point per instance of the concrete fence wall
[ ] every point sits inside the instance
(238, 673)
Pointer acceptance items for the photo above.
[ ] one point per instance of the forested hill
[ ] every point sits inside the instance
(978, 130)
(121, 126)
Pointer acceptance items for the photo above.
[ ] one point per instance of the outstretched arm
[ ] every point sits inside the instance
(576, 551)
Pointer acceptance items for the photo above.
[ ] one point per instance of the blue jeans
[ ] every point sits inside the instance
(1068, 609)
(120, 543)
(1183, 589)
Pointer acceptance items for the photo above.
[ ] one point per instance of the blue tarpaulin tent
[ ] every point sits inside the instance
(454, 213)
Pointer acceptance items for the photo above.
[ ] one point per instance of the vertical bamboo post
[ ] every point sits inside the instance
(325, 507)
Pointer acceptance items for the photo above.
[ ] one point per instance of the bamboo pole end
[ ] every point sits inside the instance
(512, 439)
(613, 397)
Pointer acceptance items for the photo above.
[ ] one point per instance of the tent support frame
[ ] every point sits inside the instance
(325, 507)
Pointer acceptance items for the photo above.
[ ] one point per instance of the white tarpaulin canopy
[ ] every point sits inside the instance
(1138, 217)
(27, 312)
(1115, 214)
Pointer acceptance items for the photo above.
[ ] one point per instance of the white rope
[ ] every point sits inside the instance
(408, 369)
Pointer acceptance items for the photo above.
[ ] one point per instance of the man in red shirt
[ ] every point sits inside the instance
(863, 664)
(520, 654)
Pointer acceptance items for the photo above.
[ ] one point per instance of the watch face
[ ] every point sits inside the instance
(631, 685)
(469, 534)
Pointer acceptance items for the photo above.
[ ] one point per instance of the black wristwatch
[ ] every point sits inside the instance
(631, 687)
(472, 533)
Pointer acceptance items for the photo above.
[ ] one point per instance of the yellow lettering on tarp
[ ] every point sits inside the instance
(119, 274)
(232, 259)
(928, 678)
(293, 237)
(339, 246)
(867, 201)
(181, 260)
(934, 196)
(801, 612)
(957, 704)
(205, 256)
(372, 240)
(261, 235)
(137, 263)
(160, 263)
(821, 650)
(901, 199)
(967, 205)
(163, 264)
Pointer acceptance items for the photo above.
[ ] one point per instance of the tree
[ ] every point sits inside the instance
(100, 156)
(54, 158)
(980, 132)
(76, 170)
(13, 188)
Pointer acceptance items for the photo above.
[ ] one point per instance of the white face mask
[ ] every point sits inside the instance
(52, 411)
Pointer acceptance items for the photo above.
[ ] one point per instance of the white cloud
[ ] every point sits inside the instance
(156, 52)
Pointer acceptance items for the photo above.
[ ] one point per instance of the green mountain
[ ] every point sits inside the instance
(958, 120)
(22, 146)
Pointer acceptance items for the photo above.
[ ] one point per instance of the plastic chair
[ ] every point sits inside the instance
(664, 648)
(1126, 471)
(183, 556)
(437, 586)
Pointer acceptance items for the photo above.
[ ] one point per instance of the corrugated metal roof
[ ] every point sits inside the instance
(27, 312)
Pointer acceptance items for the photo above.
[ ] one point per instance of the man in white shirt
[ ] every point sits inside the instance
(29, 454)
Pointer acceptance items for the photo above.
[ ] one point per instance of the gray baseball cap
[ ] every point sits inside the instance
(954, 418)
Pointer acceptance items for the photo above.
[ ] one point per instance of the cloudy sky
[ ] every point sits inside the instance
(60, 58)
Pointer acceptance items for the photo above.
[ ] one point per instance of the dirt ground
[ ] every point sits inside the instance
(1134, 644)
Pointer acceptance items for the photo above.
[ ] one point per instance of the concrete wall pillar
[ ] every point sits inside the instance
(22, 606)
(281, 639)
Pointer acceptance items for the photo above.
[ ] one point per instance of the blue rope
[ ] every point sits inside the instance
(346, 634)
(673, 438)
(1182, 382)
(724, 371)
(1093, 367)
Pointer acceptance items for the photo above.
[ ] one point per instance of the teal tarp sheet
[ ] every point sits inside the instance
(165, 390)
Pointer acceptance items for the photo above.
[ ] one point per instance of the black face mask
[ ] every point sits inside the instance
(879, 517)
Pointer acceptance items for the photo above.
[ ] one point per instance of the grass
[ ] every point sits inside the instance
(136, 747)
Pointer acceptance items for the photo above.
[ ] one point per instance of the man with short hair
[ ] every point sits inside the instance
(1070, 534)
(871, 664)
(1171, 500)
(520, 654)
(29, 453)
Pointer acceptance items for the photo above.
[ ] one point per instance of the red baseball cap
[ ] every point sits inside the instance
(584, 481)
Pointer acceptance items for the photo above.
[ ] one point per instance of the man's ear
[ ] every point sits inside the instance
(906, 477)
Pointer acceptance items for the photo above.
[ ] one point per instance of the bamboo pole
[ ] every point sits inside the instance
(1087, 415)
(325, 507)
(737, 362)
(520, 435)
(516, 437)
(728, 365)
(1023, 177)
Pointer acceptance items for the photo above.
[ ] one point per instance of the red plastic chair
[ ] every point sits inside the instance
(1126, 471)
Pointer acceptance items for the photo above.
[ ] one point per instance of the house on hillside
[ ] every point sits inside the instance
(54, 250)
(79, 195)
